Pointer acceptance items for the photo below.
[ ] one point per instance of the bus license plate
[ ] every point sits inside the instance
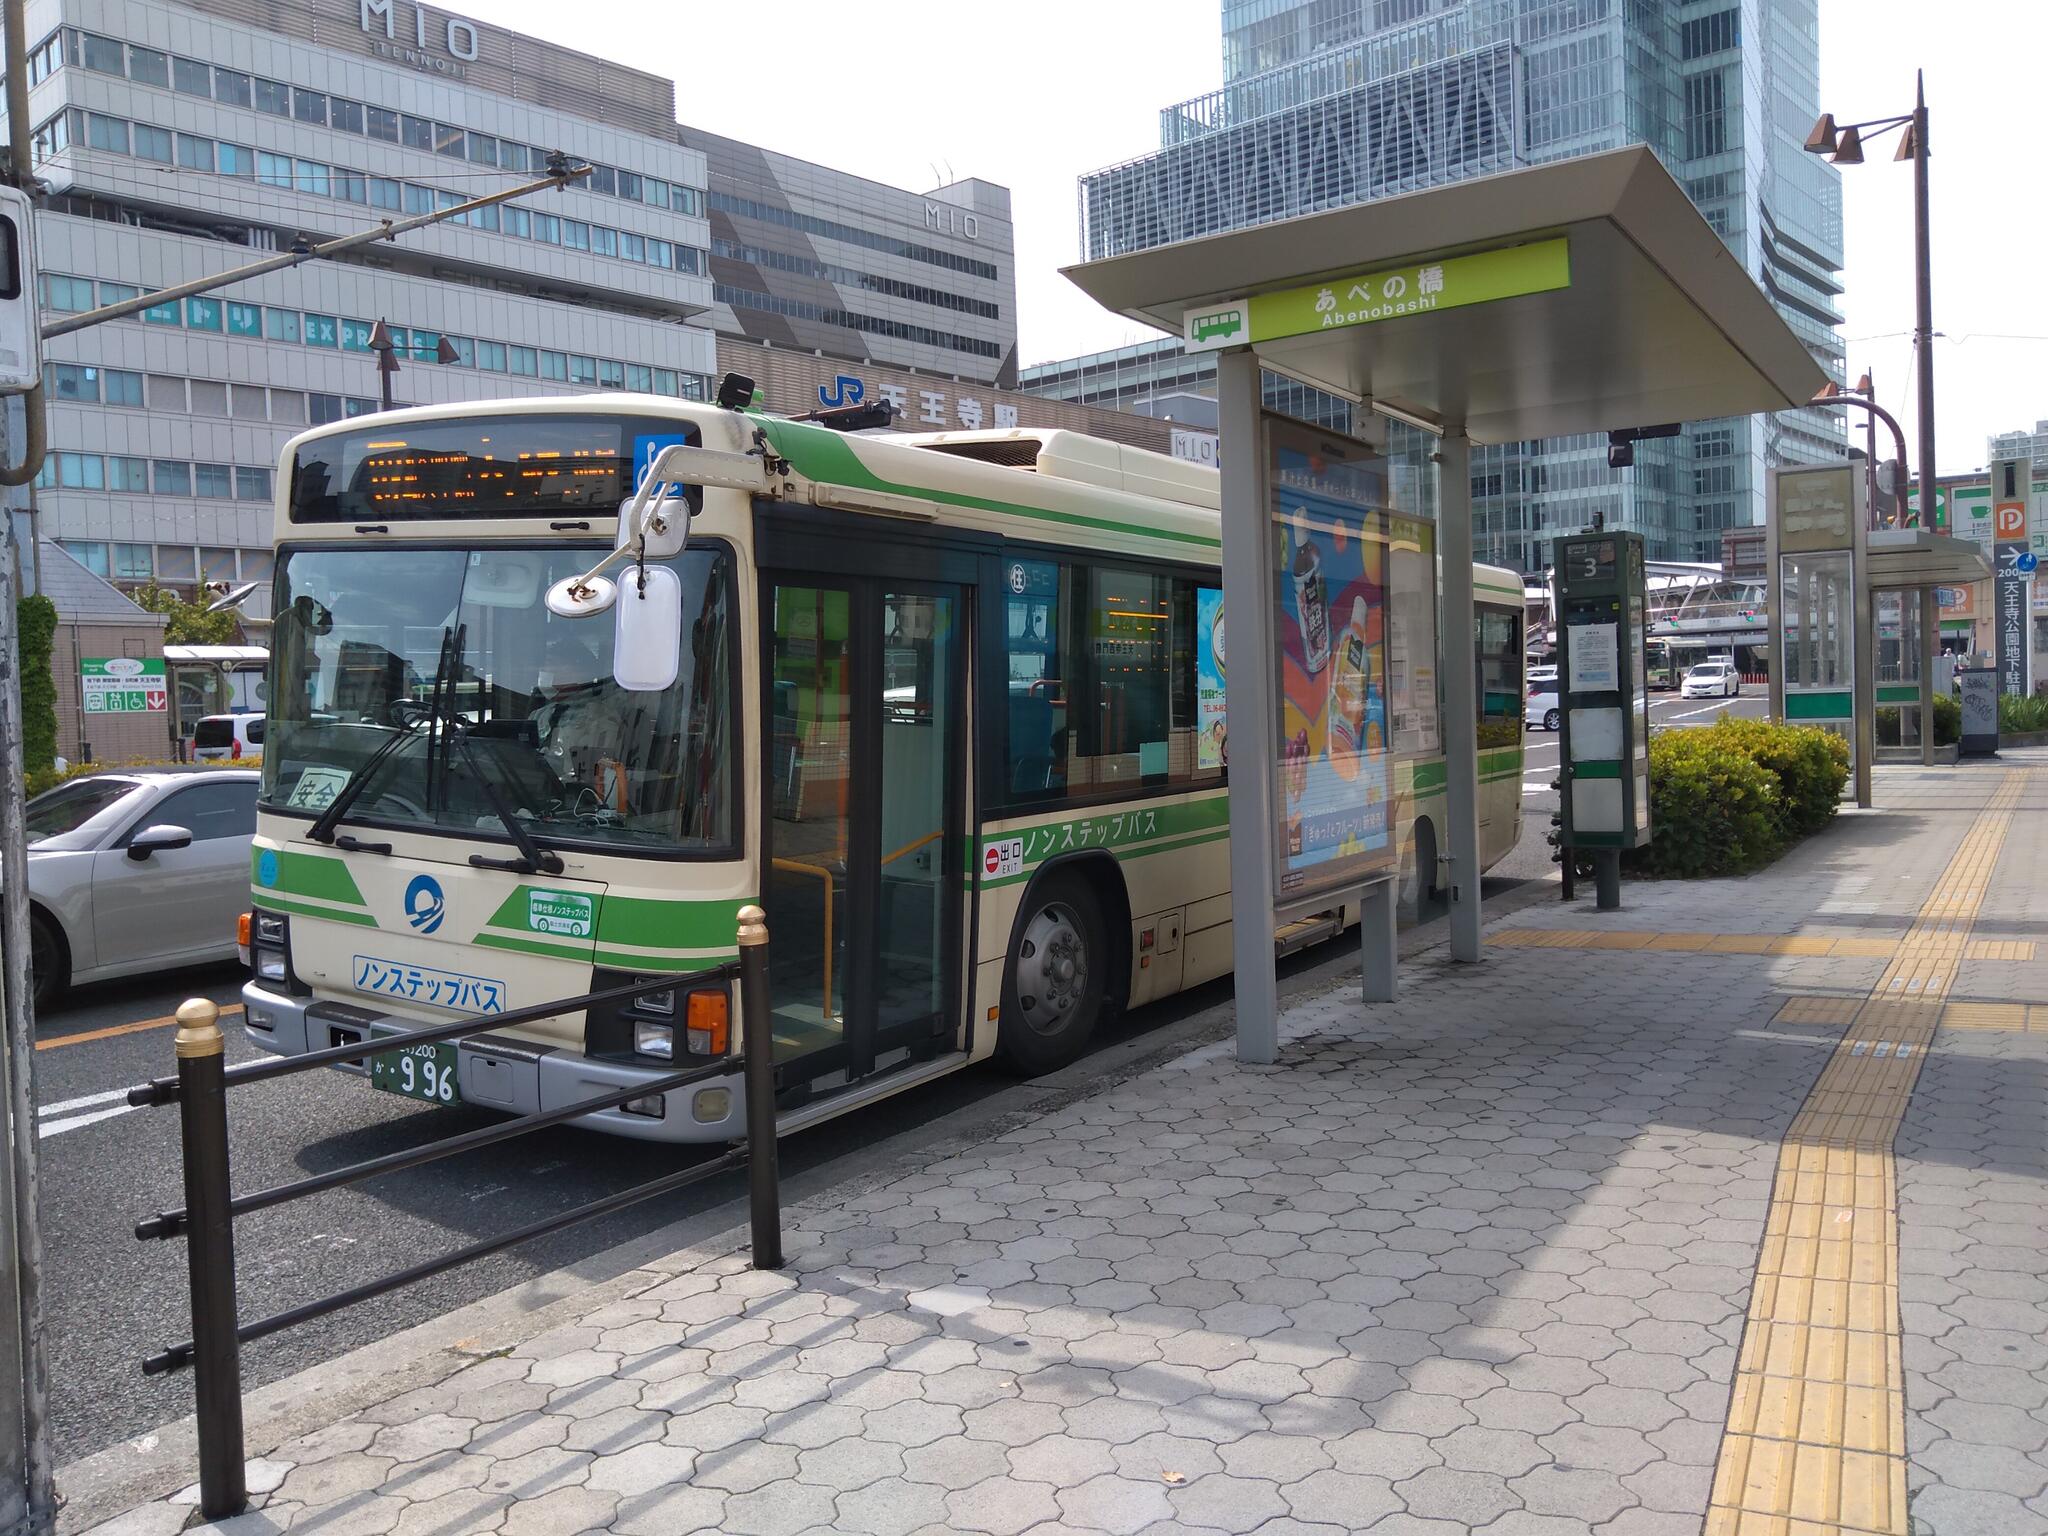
(418, 1072)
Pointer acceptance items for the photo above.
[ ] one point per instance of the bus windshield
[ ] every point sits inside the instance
(370, 642)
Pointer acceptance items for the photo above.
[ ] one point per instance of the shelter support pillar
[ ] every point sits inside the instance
(1461, 712)
(1930, 647)
(1379, 943)
(1248, 703)
(1861, 602)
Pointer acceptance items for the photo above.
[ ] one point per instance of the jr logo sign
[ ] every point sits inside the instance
(846, 390)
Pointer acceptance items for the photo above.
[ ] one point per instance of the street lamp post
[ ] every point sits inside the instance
(1843, 144)
(387, 357)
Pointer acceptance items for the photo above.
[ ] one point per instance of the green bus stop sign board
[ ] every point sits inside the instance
(1362, 298)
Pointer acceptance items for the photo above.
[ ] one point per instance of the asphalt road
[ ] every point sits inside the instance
(111, 1300)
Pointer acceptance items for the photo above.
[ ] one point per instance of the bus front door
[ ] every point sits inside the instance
(865, 756)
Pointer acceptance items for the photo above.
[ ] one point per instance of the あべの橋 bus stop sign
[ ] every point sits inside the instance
(1575, 297)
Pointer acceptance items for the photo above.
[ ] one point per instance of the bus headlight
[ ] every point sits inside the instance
(654, 1039)
(269, 945)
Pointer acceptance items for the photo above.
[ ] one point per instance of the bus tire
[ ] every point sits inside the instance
(1420, 897)
(1057, 977)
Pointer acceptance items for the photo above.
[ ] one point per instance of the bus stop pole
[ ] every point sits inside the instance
(1248, 703)
(1461, 719)
(1930, 647)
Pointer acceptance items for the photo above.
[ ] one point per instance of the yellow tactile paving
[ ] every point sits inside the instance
(1929, 951)
(1816, 1437)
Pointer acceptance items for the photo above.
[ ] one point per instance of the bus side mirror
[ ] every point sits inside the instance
(647, 629)
(21, 343)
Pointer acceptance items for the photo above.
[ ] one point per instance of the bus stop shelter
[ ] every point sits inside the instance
(1577, 297)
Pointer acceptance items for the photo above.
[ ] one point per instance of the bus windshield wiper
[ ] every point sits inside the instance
(533, 859)
(323, 828)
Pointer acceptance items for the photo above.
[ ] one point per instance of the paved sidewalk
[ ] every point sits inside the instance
(1722, 1211)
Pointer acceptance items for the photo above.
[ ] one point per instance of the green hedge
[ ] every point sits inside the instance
(1948, 722)
(2023, 713)
(1734, 795)
(35, 618)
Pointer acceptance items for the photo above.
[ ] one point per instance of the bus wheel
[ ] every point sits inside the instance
(1058, 975)
(1420, 898)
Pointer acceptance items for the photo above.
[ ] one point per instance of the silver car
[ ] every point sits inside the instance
(137, 870)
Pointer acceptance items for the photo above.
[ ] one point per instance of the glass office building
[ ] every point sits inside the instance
(1327, 103)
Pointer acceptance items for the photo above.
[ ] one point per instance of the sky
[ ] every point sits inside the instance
(1032, 95)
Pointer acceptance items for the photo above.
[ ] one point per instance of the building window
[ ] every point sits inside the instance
(1706, 131)
(631, 246)
(312, 177)
(123, 387)
(282, 324)
(490, 356)
(73, 381)
(109, 133)
(323, 331)
(90, 554)
(355, 335)
(209, 397)
(214, 480)
(665, 382)
(274, 170)
(166, 392)
(132, 562)
(384, 194)
(234, 88)
(245, 319)
(309, 106)
(483, 148)
(323, 408)
(349, 186)
(191, 77)
(629, 186)
(524, 361)
(583, 370)
(252, 484)
(147, 66)
(603, 242)
(288, 406)
(547, 229)
(554, 365)
(346, 115)
(125, 474)
(274, 97)
(237, 160)
(46, 58)
(416, 133)
(485, 217)
(1709, 34)
(450, 142)
(217, 564)
(640, 378)
(202, 314)
(153, 144)
(518, 222)
(610, 375)
(172, 477)
(418, 199)
(465, 351)
(176, 562)
(66, 295)
(575, 235)
(195, 153)
(102, 55)
(81, 472)
(246, 402)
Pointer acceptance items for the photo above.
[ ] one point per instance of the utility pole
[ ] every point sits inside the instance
(1923, 298)
(28, 1493)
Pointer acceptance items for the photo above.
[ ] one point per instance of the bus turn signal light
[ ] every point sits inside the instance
(242, 930)
(709, 1024)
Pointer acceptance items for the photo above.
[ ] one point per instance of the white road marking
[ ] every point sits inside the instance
(85, 1103)
(59, 1127)
(1711, 709)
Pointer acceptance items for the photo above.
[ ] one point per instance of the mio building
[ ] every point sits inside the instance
(1327, 103)
(182, 140)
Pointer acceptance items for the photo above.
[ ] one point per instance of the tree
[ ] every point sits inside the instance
(35, 621)
(187, 623)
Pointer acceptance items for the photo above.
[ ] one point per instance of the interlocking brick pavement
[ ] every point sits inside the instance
(1478, 1259)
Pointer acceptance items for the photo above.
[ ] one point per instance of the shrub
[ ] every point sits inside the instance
(2018, 713)
(1735, 794)
(1948, 722)
(35, 619)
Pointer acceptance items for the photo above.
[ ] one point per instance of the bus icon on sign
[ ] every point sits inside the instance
(1220, 326)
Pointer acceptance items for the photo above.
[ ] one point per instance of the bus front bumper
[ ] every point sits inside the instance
(517, 1077)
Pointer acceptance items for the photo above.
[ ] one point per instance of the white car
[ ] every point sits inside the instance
(228, 739)
(1711, 680)
(137, 871)
(1540, 707)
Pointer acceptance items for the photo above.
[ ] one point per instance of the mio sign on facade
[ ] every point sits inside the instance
(442, 45)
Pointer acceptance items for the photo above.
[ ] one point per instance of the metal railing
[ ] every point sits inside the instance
(206, 1220)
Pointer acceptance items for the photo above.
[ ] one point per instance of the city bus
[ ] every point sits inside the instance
(1659, 672)
(938, 704)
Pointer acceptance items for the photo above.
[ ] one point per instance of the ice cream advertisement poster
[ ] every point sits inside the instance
(1331, 558)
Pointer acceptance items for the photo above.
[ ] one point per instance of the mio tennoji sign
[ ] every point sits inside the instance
(1541, 266)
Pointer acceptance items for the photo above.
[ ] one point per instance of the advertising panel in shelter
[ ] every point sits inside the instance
(1333, 543)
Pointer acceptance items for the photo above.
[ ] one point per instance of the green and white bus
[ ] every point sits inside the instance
(933, 704)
